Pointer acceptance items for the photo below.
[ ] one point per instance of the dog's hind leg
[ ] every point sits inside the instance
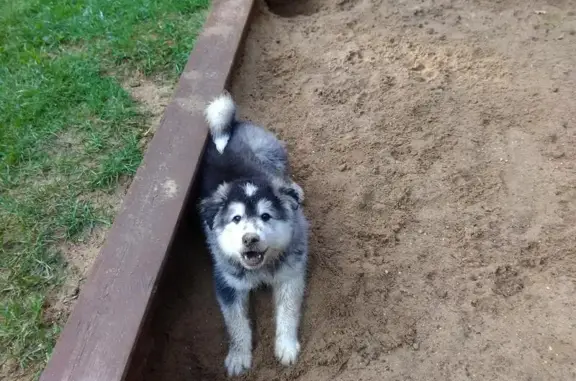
(288, 296)
(234, 307)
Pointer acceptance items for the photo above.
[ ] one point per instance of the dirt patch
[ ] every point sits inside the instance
(10, 370)
(436, 143)
(80, 257)
(153, 96)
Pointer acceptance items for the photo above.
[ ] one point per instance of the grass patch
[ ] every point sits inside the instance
(67, 129)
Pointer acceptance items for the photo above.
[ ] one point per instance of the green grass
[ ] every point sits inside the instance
(68, 129)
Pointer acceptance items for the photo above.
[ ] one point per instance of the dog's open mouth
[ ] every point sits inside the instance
(253, 258)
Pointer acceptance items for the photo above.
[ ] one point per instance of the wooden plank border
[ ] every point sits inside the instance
(100, 336)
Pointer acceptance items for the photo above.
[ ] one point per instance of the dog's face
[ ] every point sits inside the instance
(252, 219)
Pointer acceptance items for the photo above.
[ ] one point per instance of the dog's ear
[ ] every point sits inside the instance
(209, 207)
(208, 211)
(293, 193)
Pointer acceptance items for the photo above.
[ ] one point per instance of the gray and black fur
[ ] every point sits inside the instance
(255, 229)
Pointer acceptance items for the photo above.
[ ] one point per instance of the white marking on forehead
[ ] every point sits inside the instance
(237, 209)
(264, 206)
(250, 189)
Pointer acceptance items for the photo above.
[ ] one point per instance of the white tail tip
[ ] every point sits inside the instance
(220, 114)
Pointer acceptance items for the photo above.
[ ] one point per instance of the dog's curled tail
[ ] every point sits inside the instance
(220, 115)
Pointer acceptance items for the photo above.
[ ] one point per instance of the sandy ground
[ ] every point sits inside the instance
(436, 143)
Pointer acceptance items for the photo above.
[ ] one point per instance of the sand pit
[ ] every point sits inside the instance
(436, 143)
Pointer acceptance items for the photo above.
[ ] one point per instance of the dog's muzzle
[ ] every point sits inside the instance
(253, 258)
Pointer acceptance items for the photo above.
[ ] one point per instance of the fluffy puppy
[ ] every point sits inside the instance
(255, 229)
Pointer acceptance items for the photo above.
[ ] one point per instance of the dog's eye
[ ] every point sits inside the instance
(265, 217)
(236, 219)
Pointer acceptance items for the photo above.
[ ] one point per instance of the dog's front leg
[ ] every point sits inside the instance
(288, 296)
(235, 311)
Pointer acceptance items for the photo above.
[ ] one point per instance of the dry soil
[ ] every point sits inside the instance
(436, 144)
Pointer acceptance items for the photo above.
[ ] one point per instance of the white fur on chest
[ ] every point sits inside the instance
(253, 280)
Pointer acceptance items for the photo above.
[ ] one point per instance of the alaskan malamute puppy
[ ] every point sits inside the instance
(255, 229)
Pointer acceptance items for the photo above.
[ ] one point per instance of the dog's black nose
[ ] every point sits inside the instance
(250, 239)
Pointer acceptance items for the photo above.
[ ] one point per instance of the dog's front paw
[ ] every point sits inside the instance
(238, 362)
(287, 350)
